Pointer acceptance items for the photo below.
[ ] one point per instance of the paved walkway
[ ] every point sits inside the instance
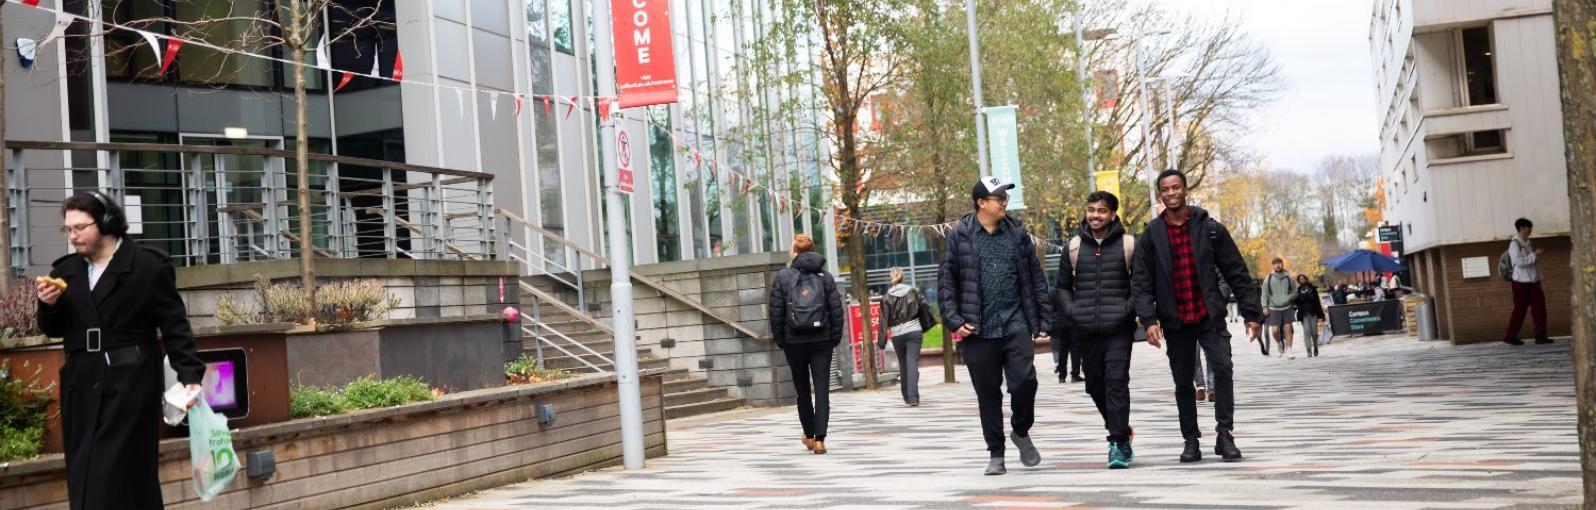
(1387, 423)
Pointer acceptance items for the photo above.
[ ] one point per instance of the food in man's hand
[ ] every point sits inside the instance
(54, 282)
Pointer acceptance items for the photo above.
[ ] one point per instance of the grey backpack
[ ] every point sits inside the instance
(1504, 265)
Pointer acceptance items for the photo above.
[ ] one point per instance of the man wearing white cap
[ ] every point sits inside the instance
(993, 293)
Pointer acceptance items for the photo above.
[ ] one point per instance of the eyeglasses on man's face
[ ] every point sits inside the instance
(76, 229)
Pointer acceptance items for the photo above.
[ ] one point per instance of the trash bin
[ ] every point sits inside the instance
(1427, 319)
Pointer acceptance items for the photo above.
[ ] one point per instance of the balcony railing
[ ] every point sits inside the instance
(221, 204)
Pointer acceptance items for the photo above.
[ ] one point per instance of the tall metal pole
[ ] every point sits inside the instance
(631, 404)
(975, 84)
(1171, 151)
(1147, 160)
(1089, 106)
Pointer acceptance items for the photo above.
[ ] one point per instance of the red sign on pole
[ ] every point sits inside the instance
(856, 332)
(623, 160)
(645, 66)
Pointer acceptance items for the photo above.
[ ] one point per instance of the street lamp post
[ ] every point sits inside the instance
(975, 84)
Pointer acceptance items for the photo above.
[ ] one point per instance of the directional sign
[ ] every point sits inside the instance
(623, 160)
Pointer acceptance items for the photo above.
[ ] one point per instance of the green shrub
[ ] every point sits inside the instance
(312, 401)
(525, 370)
(23, 412)
(932, 339)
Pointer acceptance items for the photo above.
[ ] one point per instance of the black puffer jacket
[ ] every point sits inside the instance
(1153, 284)
(782, 287)
(1096, 297)
(959, 279)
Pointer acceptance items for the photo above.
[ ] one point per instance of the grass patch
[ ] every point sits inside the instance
(362, 393)
(933, 338)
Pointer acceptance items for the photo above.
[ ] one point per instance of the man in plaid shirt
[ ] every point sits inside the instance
(1178, 264)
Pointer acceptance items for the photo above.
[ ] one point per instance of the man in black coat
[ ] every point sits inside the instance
(1094, 282)
(118, 296)
(993, 293)
(1175, 288)
(804, 291)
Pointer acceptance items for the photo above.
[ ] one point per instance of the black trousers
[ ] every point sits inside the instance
(1066, 351)
(1107, 362)
(811, 371)
(991, 361)
(1211, 337)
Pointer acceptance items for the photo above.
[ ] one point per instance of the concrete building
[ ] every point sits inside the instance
(1471, 139)
(113, 89)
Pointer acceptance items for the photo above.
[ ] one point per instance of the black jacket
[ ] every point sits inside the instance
(782, 286)
(901, 304)
(1096, 297)
(1153, 286)
(1308, 302)
(110, 400)
(959, 278)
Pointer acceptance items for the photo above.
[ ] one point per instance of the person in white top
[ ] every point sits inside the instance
(1527, 293)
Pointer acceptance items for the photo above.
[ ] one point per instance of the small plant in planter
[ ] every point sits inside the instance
(342, 304)
(362, 393)
(19, 314)
(23, 412)
(525, 370)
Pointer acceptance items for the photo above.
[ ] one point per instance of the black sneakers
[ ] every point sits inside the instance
(1193, 453)
(1513, 341)
(1542, 341)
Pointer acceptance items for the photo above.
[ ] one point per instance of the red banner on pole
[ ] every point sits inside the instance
(856, 335)
(645, 66)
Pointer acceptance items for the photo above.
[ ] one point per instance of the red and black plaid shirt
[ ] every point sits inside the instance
(1183, 258)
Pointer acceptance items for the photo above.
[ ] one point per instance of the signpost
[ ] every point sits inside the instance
(623, 160)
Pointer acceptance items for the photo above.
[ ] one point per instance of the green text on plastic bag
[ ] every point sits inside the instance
(210, 449)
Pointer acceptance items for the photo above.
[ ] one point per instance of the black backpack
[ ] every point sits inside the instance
(806, 304)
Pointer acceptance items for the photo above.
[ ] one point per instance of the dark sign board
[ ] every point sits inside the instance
(1390, 234)
(1366, 318)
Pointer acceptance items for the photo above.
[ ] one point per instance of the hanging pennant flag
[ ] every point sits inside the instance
(459, 99)
(153, 41)
(347, 76)
(62, 21)
(322, 60)
(548, 106)
(604, 108)
(171, 53)
(27, 49)
(698, 158)
(748, 185)
(376, 66)
(518, 105)
(31, 3)
(493, 105)
(398, 66)
(572, 108)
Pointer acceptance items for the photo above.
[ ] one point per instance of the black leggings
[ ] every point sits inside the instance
(812, 362)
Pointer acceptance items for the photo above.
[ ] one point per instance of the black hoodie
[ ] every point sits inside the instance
(782, 286)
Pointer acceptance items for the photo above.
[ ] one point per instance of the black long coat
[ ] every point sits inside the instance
(111, 400)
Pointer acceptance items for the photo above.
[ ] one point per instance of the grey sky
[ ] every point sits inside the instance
(1327, 104)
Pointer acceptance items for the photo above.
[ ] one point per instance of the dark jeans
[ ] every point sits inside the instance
(1183, 344)
(1066, 351)
(908, 347)
(812, 362)
(1527, 297)
(1107, 364)
(992, 361)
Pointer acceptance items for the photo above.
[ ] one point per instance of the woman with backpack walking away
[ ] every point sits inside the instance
(806, 322)
(905, 317)
(1310, 311)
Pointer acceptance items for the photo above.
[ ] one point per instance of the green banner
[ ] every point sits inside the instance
(1002, 133)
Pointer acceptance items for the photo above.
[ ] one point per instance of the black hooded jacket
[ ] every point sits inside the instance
(959, 278)
(782, 286)
(1096, 296)
(1153, 283)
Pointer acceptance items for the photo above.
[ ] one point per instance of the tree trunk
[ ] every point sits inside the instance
(298, 34)
(5, 195)
(857, 272)
(1576, 56)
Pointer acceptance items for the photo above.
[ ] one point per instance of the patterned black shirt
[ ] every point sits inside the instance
(1001, 315)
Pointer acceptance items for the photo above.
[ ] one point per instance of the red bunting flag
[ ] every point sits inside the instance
(517, 106)
(698, 159)
(31, 3)
(398, 66)
(748, 185)
(347, 76)
(548, 106)
(604, 108)
(572, 109)
(171, 53)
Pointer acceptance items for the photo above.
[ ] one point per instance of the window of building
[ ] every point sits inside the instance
(201, 65)
(1479, 66)
(560, 19)
(662, 174)
(1462, 145)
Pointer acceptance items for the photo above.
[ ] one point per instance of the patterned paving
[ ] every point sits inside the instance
(1375, 423)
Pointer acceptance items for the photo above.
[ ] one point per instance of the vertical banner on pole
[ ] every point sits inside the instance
(645, 66)
(1002, 129)
(1108, 180)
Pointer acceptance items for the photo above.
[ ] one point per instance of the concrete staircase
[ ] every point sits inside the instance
(685, 394)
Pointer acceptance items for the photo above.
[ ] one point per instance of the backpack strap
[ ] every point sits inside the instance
(1075, 255)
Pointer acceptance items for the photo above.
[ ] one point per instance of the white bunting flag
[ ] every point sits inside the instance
(154, 43)
(493, 105)
(459, 97)
(376, 64)
(322, 60)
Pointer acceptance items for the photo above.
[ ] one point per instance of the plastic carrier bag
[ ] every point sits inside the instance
(210, 448)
